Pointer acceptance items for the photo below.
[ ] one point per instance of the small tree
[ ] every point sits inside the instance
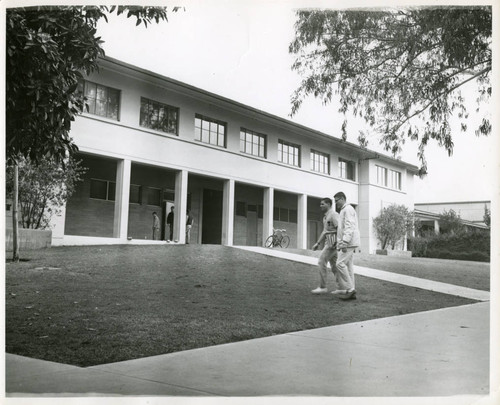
(43, 188)
(392, 224)
(450, 222)
(487, 216)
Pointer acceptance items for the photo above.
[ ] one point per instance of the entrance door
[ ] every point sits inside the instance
(212, 217)
(252, 225)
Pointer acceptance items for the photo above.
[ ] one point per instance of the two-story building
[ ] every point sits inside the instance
(150, 142)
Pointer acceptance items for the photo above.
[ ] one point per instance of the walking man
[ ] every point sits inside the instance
(347, 240)
(189, 225)
(156, 226)
(329, 252)
(170, 223)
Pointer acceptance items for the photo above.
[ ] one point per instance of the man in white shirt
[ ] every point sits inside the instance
(347, 241)
(329, 252)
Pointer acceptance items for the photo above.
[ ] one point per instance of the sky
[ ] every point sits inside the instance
(239, 50)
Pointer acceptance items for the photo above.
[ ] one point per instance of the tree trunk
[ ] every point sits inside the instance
(15, 226)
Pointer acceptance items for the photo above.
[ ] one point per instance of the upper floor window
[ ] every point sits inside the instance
(288, 153)
(252, 143)
(320, 162)
(346, 169)
(209, 130)
(395, 180)
(102, 189)
(158, 116)
(381, 176)
(101, 100)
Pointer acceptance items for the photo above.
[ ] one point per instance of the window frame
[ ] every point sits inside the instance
(394, 174)
(380, 170)
(167, 110)
(281, 153)
(159, 190)
(320, 163)
(244, 133)
(108, 190)
(139, 192)
(84, 84)
(210, 124)
(344, 173)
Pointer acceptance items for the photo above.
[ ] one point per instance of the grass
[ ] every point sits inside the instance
(93, 305)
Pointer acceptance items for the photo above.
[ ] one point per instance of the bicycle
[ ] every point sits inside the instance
(279, 238)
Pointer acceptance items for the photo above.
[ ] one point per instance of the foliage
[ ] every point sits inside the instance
(401, 70)
(450, 222)
(487, 216)
(47, 51)
(43, 188)
(392, 224)
(465, 245)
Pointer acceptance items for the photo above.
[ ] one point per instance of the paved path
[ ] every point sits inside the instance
(442, 352)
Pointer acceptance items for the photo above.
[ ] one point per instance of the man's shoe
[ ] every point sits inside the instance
(349, 295)
(320, 290)
(338, 292)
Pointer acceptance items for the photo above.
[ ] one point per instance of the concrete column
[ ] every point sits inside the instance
(181, 192)
(302, 221)
(436, 226)
(228, 213)
(267, 221)
(120, 223)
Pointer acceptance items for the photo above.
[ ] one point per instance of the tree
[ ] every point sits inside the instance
(487, 216)
(401, 70)
(43, 188)
(48, 49)
(450, 222)
(392, 224)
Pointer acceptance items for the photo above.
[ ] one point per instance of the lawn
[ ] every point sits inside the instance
(93, 305)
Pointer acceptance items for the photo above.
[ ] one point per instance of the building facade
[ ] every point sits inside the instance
(150, 143)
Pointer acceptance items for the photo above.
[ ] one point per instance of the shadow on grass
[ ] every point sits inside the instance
(101, 304)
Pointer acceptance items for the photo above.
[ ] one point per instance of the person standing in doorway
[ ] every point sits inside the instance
(347, 241)
(156, 226)
(170, 223)
(329, 252)
(189, 224)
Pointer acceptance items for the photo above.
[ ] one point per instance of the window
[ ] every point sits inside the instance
(241, 209)
(158, 116)
(346, 169)
(285, 215)
(135, 194)
(208, 130)
(102, 189)
(252, 143)
(154, 196)
(101, 100)
(288, 153)
(395, 180)
(320, 162)
(381, 176)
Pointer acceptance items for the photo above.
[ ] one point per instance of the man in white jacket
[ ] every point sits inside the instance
(347, 242)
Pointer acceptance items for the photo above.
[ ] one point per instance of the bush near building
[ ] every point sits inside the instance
(464, 245)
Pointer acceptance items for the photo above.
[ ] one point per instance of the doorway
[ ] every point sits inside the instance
(212, 217)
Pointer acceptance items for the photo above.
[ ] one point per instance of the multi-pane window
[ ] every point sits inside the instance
(395, 180)
(135, 194)
(158, 116)
(154, 196)
(346, 169)
(288, 153)
(285, 215)
(252, 143)
(101, 100)
(102, 189)
(210, 131)
(320, 162)
(381, 176)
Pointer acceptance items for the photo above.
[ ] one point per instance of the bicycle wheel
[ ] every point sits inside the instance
(285, 241)
(269, 242)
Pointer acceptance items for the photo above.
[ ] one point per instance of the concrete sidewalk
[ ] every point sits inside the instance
(442, 352)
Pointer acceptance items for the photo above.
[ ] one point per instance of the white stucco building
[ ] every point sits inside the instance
(151, 142)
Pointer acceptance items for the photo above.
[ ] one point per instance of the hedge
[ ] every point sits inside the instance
(473, 246)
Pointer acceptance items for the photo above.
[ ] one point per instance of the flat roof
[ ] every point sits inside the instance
(366, 153)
